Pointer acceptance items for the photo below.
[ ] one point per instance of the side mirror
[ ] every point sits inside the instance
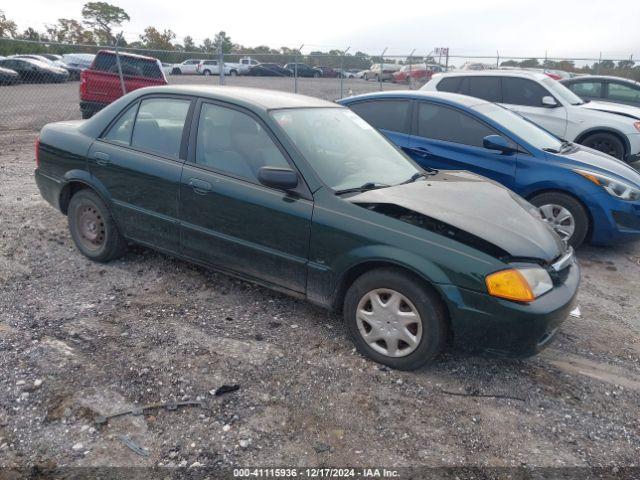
(280, 178)
(496, 142)
(549, 101)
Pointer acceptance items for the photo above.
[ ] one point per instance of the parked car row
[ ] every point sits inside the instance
(44, 68)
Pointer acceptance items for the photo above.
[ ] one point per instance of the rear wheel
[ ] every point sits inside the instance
(92, 228)
(233, 73)
(605, 142)
(394, 320)
(565, 214)
(176, 71)
(207, 72)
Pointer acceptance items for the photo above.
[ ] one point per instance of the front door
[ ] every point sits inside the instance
(139, 162)
(228, 218)
(449, 139)
(525, 97)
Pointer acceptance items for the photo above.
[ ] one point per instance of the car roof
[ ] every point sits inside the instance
(251, 97)
(126, 54)
(496, 73)
(599, 77)
(445, 97)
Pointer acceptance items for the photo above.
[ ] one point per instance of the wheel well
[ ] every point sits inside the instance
(577, 199)
(68, 191)
(580, 138)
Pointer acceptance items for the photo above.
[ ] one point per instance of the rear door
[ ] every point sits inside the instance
(450, 139)
(626, 93)
(392, 117)
(231, 221)
(525, 97)
(139, 161)
(587, 89)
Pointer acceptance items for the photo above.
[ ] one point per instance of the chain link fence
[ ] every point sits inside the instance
(40, 81)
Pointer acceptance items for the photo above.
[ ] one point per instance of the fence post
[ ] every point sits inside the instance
(342, 71)
(119, 65)
(221, 65)
(599, 62)
(382, 66)
(295, 68)
(411, 69)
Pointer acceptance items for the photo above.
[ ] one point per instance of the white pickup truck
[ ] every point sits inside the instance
(212, 67)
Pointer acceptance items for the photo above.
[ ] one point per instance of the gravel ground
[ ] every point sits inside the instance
(30, 106)
(80, 340)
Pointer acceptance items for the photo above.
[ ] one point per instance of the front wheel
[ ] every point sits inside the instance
(233, 73)
(93, 229)
(207, 73)
(176, 71)
(394, 320)
(605, 142)
(565, 214)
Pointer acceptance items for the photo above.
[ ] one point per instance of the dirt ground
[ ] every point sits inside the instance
(80, 340)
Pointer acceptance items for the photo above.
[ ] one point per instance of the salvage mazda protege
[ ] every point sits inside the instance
(303, 196)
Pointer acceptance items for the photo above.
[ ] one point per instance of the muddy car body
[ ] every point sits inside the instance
(289, 192)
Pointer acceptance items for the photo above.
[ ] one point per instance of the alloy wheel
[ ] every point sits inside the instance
(389, 323)
(560, 219)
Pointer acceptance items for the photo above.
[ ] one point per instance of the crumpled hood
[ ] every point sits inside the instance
(477, 206)
(618, 108)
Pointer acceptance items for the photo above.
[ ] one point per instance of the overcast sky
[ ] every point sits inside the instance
(568, 28)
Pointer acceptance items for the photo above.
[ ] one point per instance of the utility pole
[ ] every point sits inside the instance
(295, 68)
(119, 65)
(411, 69)
(381, 66)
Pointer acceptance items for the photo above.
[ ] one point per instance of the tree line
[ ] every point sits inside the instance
(100, 21)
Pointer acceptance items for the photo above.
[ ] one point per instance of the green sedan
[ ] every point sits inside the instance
(301, 195)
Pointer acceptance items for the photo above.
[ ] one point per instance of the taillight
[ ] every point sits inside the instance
(83, 84)
(38, 152)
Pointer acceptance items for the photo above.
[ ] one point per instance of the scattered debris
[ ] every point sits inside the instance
(225, 389)
(133, 446)
(321, 447)
(476, 393)
(170, 406)
(77, 447)
(244, 443)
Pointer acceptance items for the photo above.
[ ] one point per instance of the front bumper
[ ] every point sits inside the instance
(481, 322)
(614, 220)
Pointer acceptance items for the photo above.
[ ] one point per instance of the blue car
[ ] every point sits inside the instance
(585, 194)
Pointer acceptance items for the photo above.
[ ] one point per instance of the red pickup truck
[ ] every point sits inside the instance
(100, 83)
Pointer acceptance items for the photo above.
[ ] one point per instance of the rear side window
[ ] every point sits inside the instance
(450, 125)
(389, 115)
(486, 88)
(623, 93)
(120, 132)
(159, 125)
(234, 143)
(450, 84)
(520, 91)
(587, 89)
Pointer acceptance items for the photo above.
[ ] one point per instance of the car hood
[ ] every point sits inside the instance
(477, 206)
(594, 160)
(617, 108)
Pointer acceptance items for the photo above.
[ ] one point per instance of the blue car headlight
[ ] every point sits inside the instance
(616, 188)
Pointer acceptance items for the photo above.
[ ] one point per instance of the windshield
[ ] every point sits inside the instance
(523, 128)
(560, 91)
(344, 150)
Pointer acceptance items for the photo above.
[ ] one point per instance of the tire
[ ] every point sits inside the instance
(207, 73)
(316, 75)
(92, 228)
(233, 73)
(86, 114)
(176, 71)
(605, 142)
(429, 332)
(551, 204)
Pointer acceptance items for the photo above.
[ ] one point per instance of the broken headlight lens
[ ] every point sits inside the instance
(617, 188)
(521, 284)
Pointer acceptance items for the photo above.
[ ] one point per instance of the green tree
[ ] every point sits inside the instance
(531, 63)
(8, 28)
(188, 44)
(157, 40)
(102, 17)
(30, 34)
(68, 30)
(207, 45)
(222, 40)
(625, 64)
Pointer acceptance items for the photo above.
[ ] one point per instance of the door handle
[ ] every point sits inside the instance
(200, 186)
(420, 151)
(102, 158)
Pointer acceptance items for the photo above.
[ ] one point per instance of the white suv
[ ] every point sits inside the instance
(549, 104)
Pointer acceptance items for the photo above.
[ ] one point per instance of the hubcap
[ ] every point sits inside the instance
(560, 219)
(389, 322)
(90, 226)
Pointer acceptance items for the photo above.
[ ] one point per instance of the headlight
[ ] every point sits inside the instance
(637, 125)
(617, 188)
(522, 284)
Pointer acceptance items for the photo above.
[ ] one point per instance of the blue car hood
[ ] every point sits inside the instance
(590, 159)
(477, 206)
